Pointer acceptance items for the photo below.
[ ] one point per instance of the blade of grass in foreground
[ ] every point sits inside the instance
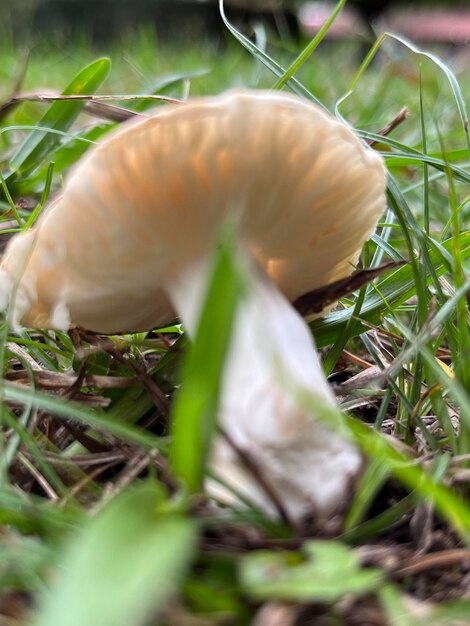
(195, 408)
(124, 563)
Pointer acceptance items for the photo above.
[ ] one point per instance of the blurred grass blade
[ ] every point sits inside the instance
(195, 407)
(39, 144)
(368, 485)
(123, 564)
(32, 514)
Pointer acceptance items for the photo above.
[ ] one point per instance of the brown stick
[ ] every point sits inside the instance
(399, 118)
(94, 105)
(445, 558)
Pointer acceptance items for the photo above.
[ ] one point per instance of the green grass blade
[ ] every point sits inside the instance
(195, 407)
(10, 201)
(425, 166)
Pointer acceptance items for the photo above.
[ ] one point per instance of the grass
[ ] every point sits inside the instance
(94, 527)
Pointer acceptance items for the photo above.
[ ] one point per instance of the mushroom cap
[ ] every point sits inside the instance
(301, 189)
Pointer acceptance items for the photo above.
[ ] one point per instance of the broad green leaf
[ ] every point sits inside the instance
(400, 612)
(326, 571)
(395, 607)
(40, 144)
(452, 613)
(195, 407)
(122, 565)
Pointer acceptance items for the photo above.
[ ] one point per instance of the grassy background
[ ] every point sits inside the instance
(93, 528)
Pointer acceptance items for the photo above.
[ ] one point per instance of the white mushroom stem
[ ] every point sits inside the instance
(307, 466)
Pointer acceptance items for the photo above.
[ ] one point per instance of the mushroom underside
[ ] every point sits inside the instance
(129, 243)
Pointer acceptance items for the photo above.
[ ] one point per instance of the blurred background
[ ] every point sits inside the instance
(443, 21)
(178, 48)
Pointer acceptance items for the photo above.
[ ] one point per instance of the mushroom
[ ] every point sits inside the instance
(129, 243)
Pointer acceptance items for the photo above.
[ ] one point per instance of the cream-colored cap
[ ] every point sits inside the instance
(303, 191)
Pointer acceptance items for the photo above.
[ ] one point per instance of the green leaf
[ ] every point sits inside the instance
(195, 408)
(67, 154)
(326, 572)
(39, 144)
(395, 606)
(122, 565)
